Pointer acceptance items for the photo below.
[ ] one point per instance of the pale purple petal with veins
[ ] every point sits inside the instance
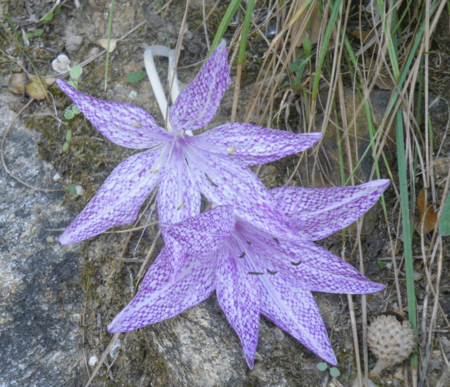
(126, 125)
(320, 212)
(295, 311)
(324, 279)
(178, 195)
(198, 102)
(253, 145)
(329, 265)
(313, 267)
(160, 298)
(177, 254)
(239, 297)
(118, 200)
(305, 264)
(223, 181)
(203, 235)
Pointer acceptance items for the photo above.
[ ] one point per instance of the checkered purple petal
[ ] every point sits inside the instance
(320, 212)
(295, 311)
(204, 234)
(126, 125)
(118, 200)
(177, 254)
(306, 265)
(325, 268)
(239, 297)
(223, 181)
(178, 195)
(198, 102)
(160, 298)
(322, 278)
(252, 145)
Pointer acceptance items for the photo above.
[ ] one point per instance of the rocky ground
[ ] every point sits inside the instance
(57, 301)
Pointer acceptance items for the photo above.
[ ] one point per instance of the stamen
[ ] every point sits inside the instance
(242, 255)
(276, 240)
(254, 273)
(181, 205)
(248, 242)
(154, 170)
(209, 179)
(272, 272)
(136, 124)
(296, 264)
(232, 151)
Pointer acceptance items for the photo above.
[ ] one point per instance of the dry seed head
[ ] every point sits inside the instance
(390, 341)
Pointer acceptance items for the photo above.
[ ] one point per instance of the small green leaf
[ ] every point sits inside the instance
(76, 72)
(301, 69)
(48, 17)
(444, 223)
(381, 265)
(75, 109)
(307, 46)
(73, 190)
(68, 114)
(322, 366)
(334, 372)
(65, 146)
(57, 10)
(29, 35)
(295, 65)
(74, 84)
(69, 135)
(285, 85)
(39, 32)
(136, 76)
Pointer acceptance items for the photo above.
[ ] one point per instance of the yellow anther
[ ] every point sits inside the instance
(183, 132)
(154, 170)
(181, 205)
(231, 151)
(136, 124)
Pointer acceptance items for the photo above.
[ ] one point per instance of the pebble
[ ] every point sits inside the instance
(93, 360)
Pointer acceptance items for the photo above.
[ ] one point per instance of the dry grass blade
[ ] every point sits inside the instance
(144, 266)
(103, 358)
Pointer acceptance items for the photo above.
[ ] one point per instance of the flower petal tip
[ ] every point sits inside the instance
(65, 239)
(250, 362)
(116, 325)
(329, 357)
(378, 287)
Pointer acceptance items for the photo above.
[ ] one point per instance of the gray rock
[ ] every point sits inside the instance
(73, 42)
(40, 302)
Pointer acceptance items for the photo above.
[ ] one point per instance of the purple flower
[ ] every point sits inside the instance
(254, 272)
(214, 163)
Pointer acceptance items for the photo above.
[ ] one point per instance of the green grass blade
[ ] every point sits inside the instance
(444, 223)
(245, 28)
(324, 46)
(406, 225)
(231, 10)
(18, 38)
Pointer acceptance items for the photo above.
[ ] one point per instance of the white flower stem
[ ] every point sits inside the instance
(156, 83)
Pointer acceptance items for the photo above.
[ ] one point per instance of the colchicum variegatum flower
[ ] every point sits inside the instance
(214, 163)
(253, 272)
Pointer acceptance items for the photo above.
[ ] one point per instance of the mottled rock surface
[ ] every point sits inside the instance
(40, 300)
